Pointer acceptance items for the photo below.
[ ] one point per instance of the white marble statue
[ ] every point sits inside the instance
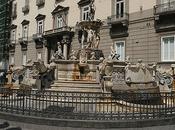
(113, 55)
(90, 38)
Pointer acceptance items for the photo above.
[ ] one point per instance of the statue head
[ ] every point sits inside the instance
(58, 43)
(101, 59)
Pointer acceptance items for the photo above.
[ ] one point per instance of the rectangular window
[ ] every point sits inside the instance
(120, 8)
(24, 58)
(14, 9)
(39, 56)
(168, 48)
(25, 31)
(120, 49)
(13, 35)
(59, 21)
(40, 26)
(85, 13)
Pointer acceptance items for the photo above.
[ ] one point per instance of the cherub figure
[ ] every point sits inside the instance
(90, 38)
(73, 55)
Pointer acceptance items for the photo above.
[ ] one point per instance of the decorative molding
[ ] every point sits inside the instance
(40, 17)
(25, 22)
(83, 2)
(59, 8)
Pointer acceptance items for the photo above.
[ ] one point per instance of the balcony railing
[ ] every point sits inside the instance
(164, 8)
(58, 30)
(40, 3)
(118, 18)
(25, 9)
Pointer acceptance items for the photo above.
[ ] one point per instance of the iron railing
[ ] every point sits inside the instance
(88, 106)
(163, 8)
(118, 18)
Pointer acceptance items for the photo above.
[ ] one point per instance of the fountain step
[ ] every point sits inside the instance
(66, 89)
(76, 81)
(76, 86)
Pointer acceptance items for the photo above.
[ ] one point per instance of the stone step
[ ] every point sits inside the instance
(76, 86)
(66, 89)
(76, 81)
(14, 128)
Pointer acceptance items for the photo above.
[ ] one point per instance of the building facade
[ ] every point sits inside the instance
(5, 12)
(136, 28)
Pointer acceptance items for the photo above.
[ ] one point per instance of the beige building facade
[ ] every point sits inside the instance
(140, 29)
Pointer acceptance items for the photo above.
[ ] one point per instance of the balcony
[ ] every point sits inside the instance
(23, 42)
(40, 3)
(58, 31)
(25, 9)
(164, 17)
(164, 8)
(38, 38)
(117, 19)
(118, 25)
(12, 46)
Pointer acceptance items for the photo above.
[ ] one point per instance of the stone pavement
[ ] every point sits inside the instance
(26, 126)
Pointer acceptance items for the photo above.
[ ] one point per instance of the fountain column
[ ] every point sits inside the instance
(65, 51)
(45, 53)
(65, 42)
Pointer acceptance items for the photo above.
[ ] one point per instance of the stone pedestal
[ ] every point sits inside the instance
(108, 84)
(73, 71)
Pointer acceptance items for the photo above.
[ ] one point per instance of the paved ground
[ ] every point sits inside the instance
(25, 126)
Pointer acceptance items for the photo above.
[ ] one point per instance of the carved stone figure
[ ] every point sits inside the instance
(105, 73)
(101, 68)
(82, 36)
(83, 57)
(105, 67)
(90, 38)
(73, 55)
(97, 40)
(113, 55)
(58, 54)
(92, 11)
(127, 59)
(93, 56)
